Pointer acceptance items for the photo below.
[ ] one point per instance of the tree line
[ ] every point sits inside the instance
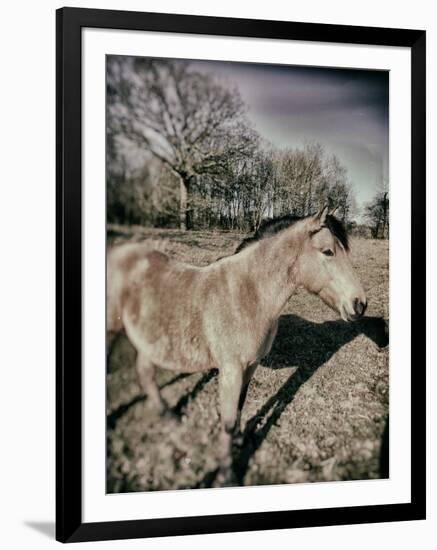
(181, 152)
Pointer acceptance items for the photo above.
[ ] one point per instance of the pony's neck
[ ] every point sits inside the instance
(272, 264)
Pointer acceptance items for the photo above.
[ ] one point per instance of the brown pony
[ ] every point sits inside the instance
(225, 315)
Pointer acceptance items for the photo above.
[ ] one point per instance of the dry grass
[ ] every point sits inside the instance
(316, 409)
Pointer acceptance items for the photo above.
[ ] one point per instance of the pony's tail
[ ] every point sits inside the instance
(120, 261)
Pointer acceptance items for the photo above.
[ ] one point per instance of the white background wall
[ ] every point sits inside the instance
(27, 268)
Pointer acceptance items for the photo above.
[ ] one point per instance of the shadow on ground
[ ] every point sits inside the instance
(319, 342)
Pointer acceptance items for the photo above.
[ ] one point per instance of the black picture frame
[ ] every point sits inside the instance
(69, 24)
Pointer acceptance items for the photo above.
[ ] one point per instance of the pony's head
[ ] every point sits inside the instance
(322, 263)
(323, 266)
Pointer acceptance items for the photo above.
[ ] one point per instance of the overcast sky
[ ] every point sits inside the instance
(345, 110)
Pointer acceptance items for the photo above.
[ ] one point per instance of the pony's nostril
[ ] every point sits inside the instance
(359, 306)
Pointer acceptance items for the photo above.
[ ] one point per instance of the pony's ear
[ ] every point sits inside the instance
(333, 210)
(320, 217)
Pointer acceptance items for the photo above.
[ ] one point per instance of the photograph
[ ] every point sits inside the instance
(247, 274)
(217, 275)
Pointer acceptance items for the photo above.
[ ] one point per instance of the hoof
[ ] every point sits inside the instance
(170, 416)
(225, 478)
(238, 441)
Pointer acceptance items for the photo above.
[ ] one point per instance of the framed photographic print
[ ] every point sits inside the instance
(240, 233)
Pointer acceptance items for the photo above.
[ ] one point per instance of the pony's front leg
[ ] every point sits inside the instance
(230, 384)
(247, 377)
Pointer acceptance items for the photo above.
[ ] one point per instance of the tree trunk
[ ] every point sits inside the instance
(384, 219)
(377, 230)
(185, 214)
(183, 205)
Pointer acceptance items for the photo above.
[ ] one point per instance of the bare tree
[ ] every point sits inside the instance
(188, 120)
(339, 191)
(376, 213)
(261, 181)
(302, 171)
(308, 180)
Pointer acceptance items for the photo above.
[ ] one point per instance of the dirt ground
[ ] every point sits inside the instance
(316, 409)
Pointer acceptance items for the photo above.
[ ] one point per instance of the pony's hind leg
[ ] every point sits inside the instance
(112, 337)
(146, 377)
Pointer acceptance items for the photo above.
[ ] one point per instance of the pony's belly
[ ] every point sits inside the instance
(178, 362)
(268, 342)
(181, 367)
(170, 352)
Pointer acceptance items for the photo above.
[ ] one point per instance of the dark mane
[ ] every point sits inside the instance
(268, 228)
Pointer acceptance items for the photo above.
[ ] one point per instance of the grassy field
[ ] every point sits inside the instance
(316, 409)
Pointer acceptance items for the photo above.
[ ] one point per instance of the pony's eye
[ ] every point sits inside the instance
(328, 252)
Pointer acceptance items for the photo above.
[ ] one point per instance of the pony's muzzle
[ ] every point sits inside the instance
(359, 307)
